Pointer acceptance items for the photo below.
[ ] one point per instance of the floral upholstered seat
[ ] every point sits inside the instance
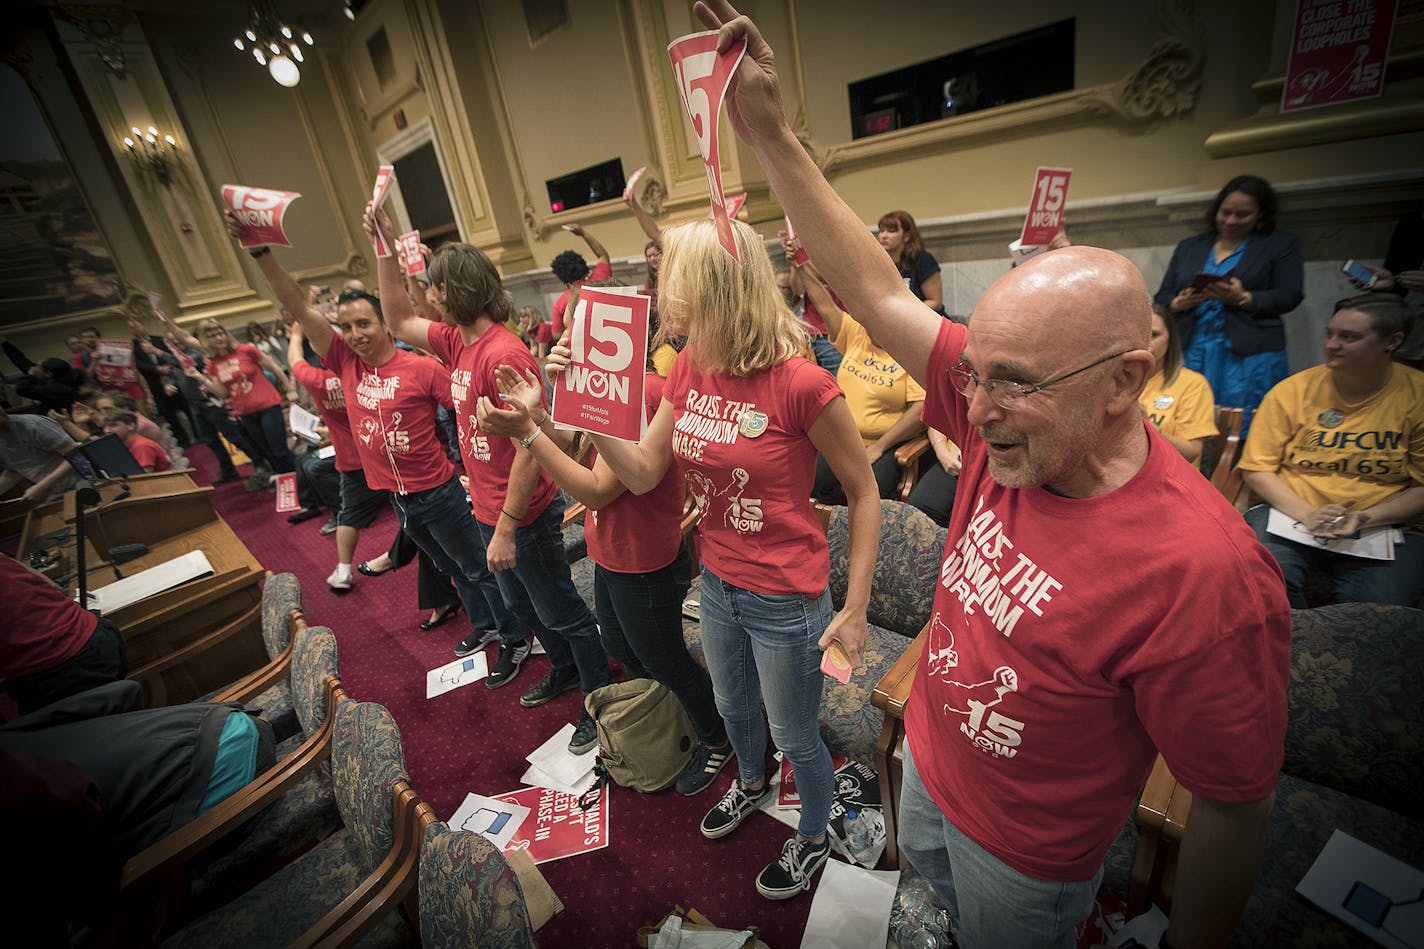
(469, 895)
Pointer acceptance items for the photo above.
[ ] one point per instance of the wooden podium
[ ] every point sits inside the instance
(186, 641)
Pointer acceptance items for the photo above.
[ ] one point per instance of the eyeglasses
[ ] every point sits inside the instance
(1006, 393)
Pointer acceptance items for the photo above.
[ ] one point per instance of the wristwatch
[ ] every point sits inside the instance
(528, 440)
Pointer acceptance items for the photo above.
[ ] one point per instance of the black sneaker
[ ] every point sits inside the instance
(471, 643)
(227, 477)
(703, 767)
(304, 514)
(550, 687)
(585, 736)
(734, 807)
(506, 667)
(791, 874)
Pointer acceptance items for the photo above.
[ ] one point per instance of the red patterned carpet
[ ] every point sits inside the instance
(475, 739)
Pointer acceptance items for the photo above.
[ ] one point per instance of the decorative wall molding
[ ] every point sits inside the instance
(1166, 83)
(103, 27)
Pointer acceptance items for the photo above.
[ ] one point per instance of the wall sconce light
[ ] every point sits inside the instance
(152, 153)
(273, 43)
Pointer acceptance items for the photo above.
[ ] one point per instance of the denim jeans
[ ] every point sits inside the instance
(539, 590)
(1352, 579)
(210, 422)
(763, 650)
(827, 356)
(268, 434)
(934, 492)
(827, 489)
(992, 905)
(640, 616)
(441, 524)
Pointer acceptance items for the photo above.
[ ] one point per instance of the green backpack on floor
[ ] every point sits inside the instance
(644, 736)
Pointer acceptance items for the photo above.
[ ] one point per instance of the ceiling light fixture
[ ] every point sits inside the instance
(273, 43)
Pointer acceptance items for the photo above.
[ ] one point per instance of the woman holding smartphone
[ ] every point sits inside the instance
(744, 414)
(1229, 287)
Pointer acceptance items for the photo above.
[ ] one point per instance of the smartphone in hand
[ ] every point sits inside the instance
(1360, 274)
(1203, 280)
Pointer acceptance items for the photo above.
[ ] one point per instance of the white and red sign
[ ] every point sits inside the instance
(703, 76)
(259, 211)
(602, 390)
(633, 180)
(385, 177)
(113, 362)
(287, 492)
(786, 793)
(408, 250)
(1338, 52)
(1045, 209)
(555, 827)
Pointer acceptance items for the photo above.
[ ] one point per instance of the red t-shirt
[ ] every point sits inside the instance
(744, 446)
(601, 271)
(487, 460)
(248, 390)
(147, 453)
(639, 533)
(325, 388)
(45, 626)
(1069, 645)
(392, 415)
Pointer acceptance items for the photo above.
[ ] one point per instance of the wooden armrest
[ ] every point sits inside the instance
(690, 519)
(1164, 805)
(169, 854)
(912, 450)
(573, 514)
(255, 683)
(893, 690)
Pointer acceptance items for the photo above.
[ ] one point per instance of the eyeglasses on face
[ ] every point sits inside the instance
(1006, 393)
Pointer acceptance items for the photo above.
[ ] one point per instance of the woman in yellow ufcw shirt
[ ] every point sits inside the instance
(1340, 447)
(1177, 401)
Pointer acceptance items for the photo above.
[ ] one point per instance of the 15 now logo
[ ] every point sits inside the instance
(602, 351)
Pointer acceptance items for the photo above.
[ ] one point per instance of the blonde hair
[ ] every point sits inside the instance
(208, 324)
(731, 311)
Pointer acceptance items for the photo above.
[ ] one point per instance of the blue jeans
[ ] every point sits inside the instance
(992, 905)
(211, 421)
(268, 433)
(539, 590)
(763, 649)
(640, 616)
(441, 524)
(827, 356)
(1352, 579)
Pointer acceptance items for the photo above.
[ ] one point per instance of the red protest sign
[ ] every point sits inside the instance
(113, 362)
(786, 793)
(1045, 209)
(702, 76)
(408, 249)
(287, 492)
(259, 211)
(602, 390)
(385, 177)
(1338, 52)
(555, 827)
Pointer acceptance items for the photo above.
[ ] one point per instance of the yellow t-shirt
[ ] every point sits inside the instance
(877, 389)
(1328, 451)
(663, 358)
(1184, 409)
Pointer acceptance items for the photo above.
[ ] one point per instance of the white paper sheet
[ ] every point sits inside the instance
(146, 583)
(1377, 544)
(304, 424)
(851, 908)
(536, 778)
(453, 675)
(1346, 862)
(497, 820)
(555, 760)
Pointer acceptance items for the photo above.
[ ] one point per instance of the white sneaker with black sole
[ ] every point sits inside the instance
(703, 767)
(734, 807)
(792, 872)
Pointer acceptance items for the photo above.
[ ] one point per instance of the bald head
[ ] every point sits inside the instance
(1089, 297)
(354, 285)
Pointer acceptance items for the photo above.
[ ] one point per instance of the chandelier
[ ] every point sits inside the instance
(273, 43)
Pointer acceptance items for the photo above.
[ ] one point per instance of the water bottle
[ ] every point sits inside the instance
(861, 827)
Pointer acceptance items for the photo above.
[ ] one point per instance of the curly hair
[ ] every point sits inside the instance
(569, 266)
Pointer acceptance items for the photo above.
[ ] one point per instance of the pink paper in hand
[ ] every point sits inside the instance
(602, 391)
(702, 76)
(633, 180)
(408, 246)
(385, 177)
(259, 211)
(1045, 210)
(835, 664)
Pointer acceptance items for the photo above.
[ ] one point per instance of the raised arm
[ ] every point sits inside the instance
(295, 352)
(645, 220)
(417, 292)
(598, 249)
(833, 235)
(401, 319)
(288, 292)
(820, 296)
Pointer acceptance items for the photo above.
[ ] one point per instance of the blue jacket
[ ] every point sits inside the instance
(1270, 269)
